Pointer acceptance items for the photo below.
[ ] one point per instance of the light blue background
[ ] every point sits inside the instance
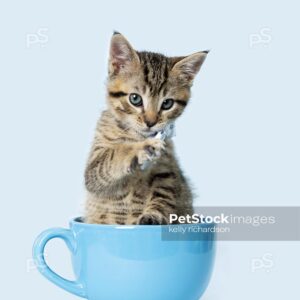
(238, 141)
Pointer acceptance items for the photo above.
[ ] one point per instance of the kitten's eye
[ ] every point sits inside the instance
(135, 99)
(167, 104)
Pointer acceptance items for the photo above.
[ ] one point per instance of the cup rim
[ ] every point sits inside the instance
(78, 221)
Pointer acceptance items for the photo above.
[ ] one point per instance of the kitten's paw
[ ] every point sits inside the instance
(152, 219)
(146, 153)
(150, 151)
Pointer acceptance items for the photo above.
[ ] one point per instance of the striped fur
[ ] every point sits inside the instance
(119, 191)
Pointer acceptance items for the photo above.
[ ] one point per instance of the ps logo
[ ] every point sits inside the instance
(39, 38)
(264, 263)
(263, 37)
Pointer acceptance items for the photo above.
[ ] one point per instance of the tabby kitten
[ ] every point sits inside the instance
(145, 92)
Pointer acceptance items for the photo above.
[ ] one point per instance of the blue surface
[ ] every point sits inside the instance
(130, 262)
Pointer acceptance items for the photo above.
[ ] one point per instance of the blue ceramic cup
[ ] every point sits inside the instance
(114, 262)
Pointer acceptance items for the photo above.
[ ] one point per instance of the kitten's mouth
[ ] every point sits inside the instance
(149, 133)
(153, 134)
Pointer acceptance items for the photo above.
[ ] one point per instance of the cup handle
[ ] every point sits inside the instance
(74, 287)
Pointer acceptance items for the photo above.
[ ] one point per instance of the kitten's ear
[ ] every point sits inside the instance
(187, 67)
(122, 57)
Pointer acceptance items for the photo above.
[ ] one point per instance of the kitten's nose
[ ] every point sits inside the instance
(150, 123)
(150, 118)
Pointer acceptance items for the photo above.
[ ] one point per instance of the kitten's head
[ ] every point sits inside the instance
(148, 90)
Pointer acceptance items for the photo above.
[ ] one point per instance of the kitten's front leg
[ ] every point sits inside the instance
(109, 166)
(158, 211)
(162, 202)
